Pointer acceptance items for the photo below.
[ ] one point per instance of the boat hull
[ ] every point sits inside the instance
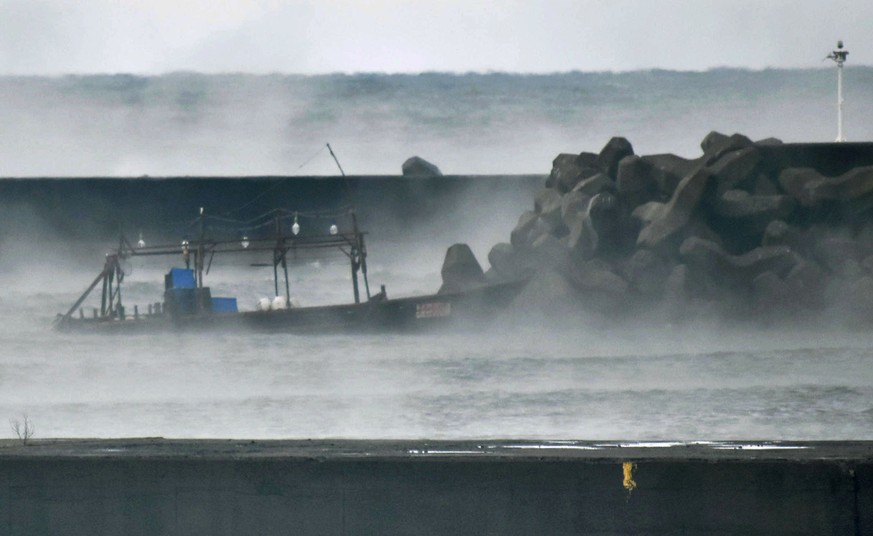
(404, 314)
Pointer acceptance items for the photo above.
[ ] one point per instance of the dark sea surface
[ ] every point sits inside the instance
(540, 378)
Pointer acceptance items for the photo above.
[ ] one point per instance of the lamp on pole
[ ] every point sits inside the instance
(839, 56)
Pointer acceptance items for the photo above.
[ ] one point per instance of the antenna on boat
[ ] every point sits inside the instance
(335, 160)
(282, 181)
(348, 191)
(839, 57)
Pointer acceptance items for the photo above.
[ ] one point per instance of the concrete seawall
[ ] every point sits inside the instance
(96, 208)
(483, 487)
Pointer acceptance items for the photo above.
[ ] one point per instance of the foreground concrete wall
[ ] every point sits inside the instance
(334, 492)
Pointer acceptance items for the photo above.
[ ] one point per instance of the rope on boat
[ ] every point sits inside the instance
(282, 181)
(310, 159)
(262, 221)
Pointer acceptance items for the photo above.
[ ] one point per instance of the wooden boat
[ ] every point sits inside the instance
(188, 304)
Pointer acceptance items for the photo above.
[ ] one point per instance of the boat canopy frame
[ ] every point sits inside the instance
(202, 250)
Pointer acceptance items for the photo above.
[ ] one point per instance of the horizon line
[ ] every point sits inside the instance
(489, 72)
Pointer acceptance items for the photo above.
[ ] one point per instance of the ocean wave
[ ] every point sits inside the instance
(198, 124)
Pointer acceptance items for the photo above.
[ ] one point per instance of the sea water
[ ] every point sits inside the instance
(536, 379)
(542, 377)
(191, 124)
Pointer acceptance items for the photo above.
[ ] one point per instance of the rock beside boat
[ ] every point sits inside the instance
(461, 271)
(419, 167)
(739, 232)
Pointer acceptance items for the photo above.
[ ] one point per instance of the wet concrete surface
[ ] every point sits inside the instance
(352, 487)
(498, 450)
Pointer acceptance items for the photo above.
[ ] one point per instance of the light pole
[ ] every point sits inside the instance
(839, 56)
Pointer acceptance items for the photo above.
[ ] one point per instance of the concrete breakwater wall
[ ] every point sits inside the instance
(485, 487)
(95, 208)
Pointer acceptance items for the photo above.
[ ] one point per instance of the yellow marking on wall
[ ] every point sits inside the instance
(628, 468)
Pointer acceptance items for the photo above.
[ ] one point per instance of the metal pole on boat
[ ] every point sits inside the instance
(335, 160)
(355, 256)
(105, 295)
(839, 57)
(100, 277)
(295, 229)
(199, 260)
(110, 302)
(287, 287)
(284, 265)
(364, 265)
(119, 275)
(355, 264)
(110, 305)
(275, 274)
(276, 261)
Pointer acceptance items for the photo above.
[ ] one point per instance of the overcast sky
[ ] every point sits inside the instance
(319, 36)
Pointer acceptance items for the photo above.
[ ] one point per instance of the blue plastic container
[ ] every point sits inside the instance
(179, 278)
(224, 305)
